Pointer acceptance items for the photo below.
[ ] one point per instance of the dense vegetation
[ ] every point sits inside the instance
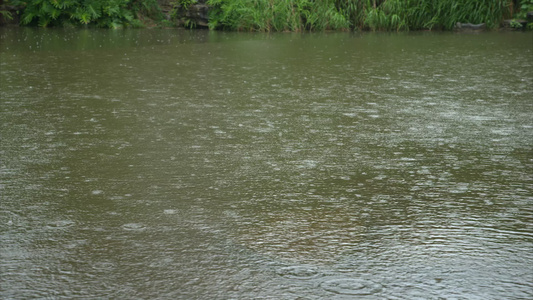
(297, 15)
(102, 13)
(278, 15)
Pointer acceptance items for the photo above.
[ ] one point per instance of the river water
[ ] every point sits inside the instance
(173, 164)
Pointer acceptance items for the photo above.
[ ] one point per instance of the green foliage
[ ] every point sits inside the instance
(178, 9)
(101, 13)
(6, 15)
(276, 15)
(184, 4)
(489, 12)
(147, 8)
(525, 7)
(390, 15)
(429, 14)
(298, 15)
(515, 24)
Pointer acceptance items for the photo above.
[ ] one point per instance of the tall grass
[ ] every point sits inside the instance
(298, 15)
(276, 15)
(490, 12)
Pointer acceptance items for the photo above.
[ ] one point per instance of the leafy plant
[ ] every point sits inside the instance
(429, 14)
(390, 15)
(6, 14)
(525, 7)
(101, 13)
(179, 7)
(515, 24)
(276, 15)
(185, 4)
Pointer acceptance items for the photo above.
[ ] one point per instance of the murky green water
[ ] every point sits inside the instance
(165, 164)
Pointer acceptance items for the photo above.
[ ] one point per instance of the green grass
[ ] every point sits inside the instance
(298, 15)
(276, 15)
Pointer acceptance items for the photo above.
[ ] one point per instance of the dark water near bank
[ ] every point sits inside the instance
(165, 164)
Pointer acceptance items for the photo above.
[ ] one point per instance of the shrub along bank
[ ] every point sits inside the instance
(101, 13)
(266, 15)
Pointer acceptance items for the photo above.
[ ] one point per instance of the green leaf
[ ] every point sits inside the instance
(27, 18)
(6, 14)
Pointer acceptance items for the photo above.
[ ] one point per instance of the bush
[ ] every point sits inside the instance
(525, 7)
(102, 13)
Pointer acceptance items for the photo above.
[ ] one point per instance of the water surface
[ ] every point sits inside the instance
(205, 165)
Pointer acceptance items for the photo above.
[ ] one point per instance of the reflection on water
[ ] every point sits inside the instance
(181, 164)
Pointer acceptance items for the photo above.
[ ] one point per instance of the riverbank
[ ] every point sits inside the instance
(271, 16)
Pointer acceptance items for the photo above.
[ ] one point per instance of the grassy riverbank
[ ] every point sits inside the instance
(299, 15)
(272, 15)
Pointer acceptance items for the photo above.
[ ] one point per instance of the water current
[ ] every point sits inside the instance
(173, 164)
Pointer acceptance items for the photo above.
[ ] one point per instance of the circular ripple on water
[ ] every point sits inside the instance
(300, 272)
(61, 224)
(133, 226)
(351, 286)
